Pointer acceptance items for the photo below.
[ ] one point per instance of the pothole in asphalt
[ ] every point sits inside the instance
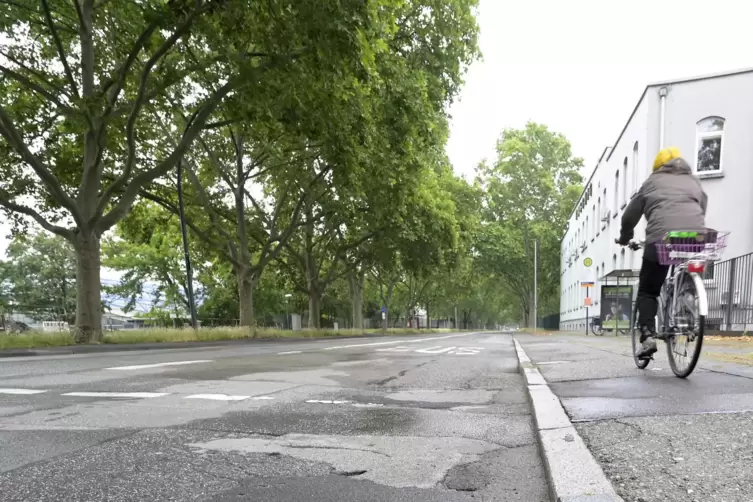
(398, 461)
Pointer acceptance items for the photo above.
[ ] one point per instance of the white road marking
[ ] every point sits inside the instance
(217, 397)
(21, 391)
(325, 401)
(136, 395)
(467, 351)
(367, 405)
(290, 352)
(261, 398)
(552, 362)
(395, 342)
(399, 348)
(435, 350)
(438, 349)
(158, 365)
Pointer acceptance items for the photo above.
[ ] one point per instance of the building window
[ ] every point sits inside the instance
(595, 221)
(598, 213)
(614, 261)
(622, 259)
(709, 132)
(616, 193)
(625, 182)
(636, 169)
(605, 207)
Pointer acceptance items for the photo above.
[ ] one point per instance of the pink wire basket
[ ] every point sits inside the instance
(678, 247)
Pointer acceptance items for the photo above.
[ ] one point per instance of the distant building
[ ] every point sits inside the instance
(710, 119)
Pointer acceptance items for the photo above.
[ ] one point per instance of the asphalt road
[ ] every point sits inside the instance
(429, 418)
(657, 437)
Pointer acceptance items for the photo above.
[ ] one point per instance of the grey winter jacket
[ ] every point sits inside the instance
(671, 199)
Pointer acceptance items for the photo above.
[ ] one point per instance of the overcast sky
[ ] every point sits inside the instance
(580, 66)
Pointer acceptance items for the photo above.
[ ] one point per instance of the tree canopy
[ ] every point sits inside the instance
(309, 141)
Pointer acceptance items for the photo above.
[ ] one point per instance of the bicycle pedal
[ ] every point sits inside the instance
(646, 358)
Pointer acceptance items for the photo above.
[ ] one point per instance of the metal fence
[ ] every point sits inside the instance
(729, 285)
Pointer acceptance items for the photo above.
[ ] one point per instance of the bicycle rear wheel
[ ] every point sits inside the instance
(684, 346)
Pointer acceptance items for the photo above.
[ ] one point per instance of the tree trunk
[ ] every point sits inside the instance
(246, 285)
(315, 305)
(355, 281)
(88, 286)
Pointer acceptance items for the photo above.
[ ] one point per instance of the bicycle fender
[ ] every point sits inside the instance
(700, 288)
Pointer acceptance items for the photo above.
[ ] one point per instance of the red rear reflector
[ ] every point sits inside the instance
(696, 267)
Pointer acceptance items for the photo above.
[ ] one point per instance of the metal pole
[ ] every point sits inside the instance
(456, 317)
(535, 284)
(186, 254)
(587, 316)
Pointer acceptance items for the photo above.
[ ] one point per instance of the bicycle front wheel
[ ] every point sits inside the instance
(684, 346)
(597, 330)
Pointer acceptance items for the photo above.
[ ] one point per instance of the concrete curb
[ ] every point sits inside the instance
(127, 347)
(572, 472)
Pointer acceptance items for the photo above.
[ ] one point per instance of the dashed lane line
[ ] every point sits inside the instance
(290, 352)
(157, 365)
(136, 395)
(139, 395)
(225, 397)
(352, 346)
(21, 391)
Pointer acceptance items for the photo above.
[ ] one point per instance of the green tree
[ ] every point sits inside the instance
(147, 248)
(76, 74)
(530, 191)
(38, 277)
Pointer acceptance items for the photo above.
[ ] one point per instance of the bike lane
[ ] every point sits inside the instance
(657, 437)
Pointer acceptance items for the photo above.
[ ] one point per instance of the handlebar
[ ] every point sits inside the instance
(635, 246)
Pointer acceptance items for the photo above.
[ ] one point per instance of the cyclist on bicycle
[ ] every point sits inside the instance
(671, 199)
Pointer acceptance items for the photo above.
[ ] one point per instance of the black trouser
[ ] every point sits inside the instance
(651, 280)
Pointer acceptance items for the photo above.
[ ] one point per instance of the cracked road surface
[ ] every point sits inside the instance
(426, 418)
(657, 437)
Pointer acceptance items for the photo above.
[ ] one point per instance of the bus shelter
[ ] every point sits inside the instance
(619, 289)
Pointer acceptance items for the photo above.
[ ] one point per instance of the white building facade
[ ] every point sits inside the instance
(710, 119)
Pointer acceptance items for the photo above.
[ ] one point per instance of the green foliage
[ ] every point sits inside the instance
(530, 191)
(38, 277)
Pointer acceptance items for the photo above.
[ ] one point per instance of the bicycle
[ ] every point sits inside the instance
(598, 329)
(683, 302)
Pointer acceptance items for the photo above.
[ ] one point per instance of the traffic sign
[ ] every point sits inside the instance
(588, 302)
(587, 284)
(384, 309)
(588, 262)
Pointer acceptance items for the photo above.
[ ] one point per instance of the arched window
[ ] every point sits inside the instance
(625, 181)
(614, 261)
(622, 259)
(598, 215)
(709, 132)
(595, 221)
(595, 294)
(616, 203)
(637, 179)
(587, 229)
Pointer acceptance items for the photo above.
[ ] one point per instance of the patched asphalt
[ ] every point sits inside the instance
(657, 437)
(427, 418)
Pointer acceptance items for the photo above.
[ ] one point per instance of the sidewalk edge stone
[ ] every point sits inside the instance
(572, 472)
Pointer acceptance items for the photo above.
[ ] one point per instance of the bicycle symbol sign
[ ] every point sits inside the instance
(588, 262)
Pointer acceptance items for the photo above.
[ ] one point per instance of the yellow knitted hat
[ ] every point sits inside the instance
(665, 156)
